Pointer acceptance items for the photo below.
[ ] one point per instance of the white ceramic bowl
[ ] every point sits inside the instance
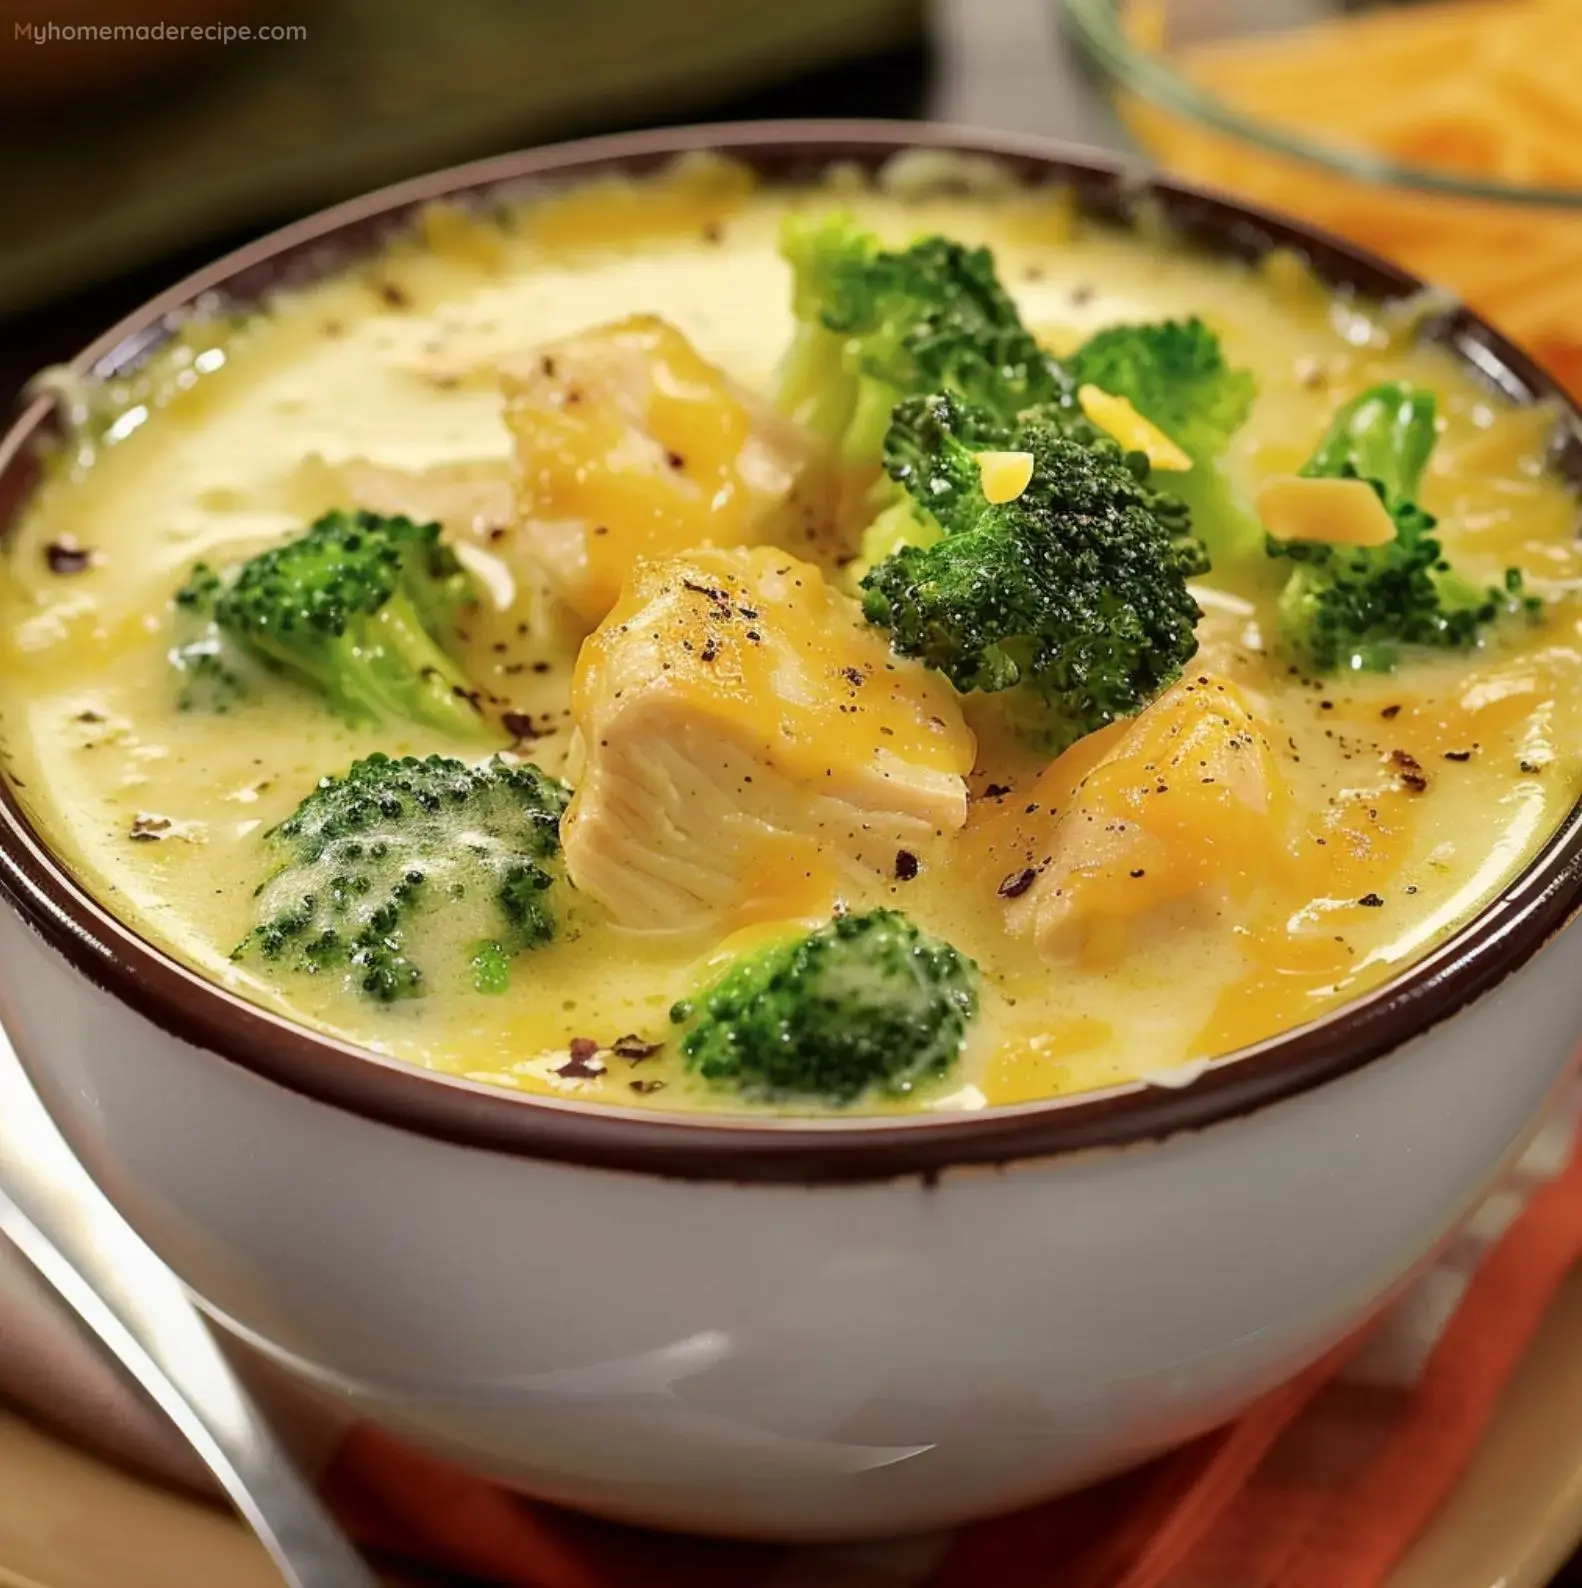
(803, 1329)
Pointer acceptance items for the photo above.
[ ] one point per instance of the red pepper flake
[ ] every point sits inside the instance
(633, 1048)
(906, 865)
(66, 556)
(1018, 883)
(582, 1065)
(520, 726)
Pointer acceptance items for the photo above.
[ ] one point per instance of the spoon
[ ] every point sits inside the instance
(63, 1224)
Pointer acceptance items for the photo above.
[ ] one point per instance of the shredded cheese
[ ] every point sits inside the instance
(1136, 434)
(1005, 475)
(1342, 512)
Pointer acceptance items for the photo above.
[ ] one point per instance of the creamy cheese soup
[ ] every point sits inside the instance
(1259, 847)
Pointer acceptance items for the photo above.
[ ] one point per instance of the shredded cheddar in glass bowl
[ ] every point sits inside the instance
(1443, 134)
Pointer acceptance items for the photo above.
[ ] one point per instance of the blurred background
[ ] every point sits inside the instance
(139, 138)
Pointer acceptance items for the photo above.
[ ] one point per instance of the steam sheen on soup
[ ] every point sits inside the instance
(664, 611)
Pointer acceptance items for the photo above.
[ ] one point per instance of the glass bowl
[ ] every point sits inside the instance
(1444, 134)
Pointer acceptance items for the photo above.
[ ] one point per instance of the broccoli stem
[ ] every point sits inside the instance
(401, 671)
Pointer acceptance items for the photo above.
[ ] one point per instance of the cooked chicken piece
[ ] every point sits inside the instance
(628, 444)
(749, 744)
(1183, 806)
(470, 498)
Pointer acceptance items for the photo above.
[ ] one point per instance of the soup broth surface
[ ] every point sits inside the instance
(1413, 796)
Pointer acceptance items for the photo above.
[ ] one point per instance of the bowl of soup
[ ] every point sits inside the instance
(799, 830)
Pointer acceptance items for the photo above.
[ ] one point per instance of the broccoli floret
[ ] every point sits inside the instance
(356, 606)
(1173, 372)
(404, 872)
(1076, 591)
(1354, 608)
(214, 675)
(865, 1004)
(876, 325)
(931, 476)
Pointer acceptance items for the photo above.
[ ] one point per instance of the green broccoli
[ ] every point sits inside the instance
(865, 1004)
(875, 325)
(356, 606)
(1174, 373)
(931, 476)
(1353, 608)
(1076, 591)
(214, 674)
(402, 872)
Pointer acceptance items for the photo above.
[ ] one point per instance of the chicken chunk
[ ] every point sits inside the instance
(1182, 808)
(628, 444)
(749, 746)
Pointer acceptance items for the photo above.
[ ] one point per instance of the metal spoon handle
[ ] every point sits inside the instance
(71, 1234)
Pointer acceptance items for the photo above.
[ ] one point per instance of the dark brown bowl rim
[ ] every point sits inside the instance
(1500, 939)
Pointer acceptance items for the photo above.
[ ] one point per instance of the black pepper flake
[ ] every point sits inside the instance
(1371, 901)
(1139, 872)
(633, 1048)
(1409, 770)
(66, 556)
(520, 726)
(996, 791)
(1015, 885)
(1411, 887)
(497, 533)
(148, 829)
(1529, 766)
(1458, 755)
(712, 231)
(541, 667)
(710, 650)
(906, 865)
(852, 675)
(675, 460)
(1390, 713)
(582, 1065)
(645, 1087)
(394, 294)
(89, 716)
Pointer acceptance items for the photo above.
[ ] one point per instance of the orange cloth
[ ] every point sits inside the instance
(1323, 1484)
